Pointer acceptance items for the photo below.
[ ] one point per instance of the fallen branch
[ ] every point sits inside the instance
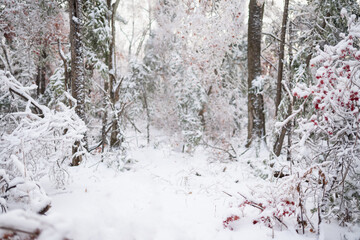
(33, 103)
(231, 156)
(292, 116)
(33, 235)
(132, 123)
(14, 87)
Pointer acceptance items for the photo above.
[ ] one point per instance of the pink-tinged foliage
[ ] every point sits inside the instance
(228, 223)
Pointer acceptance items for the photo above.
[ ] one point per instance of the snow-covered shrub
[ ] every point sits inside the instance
(322, 184)
(330, 136)
(19, 224)
(277, 205)
(25, 194)
(286, 203)
(34, 145)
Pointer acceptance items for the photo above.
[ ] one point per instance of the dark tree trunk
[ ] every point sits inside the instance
(41, 74)
(77, 66)
(288, 127)
(280, 138)
(281, 57)
(115, 139)
(256, 116)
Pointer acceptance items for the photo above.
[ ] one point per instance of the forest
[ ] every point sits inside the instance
(179, 119)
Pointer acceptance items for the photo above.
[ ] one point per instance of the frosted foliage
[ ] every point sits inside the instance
(97, 31)
(203, 34)
(193, 39)
(330, 136)
(38, 146)
(25, 40)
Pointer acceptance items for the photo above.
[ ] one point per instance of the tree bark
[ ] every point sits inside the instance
(148, 119)
(115, 140)
(281, 57)
(291, 123)
(256, 116)
(288, 127)
(77, 67)
(41, 74)
(280, 139)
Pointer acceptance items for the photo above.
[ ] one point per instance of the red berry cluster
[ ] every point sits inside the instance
(265, 220)
(287, 209)
(331, 93)
(227, 223)
(279, 210)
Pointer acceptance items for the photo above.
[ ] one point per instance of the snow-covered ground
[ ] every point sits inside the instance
(165, 195)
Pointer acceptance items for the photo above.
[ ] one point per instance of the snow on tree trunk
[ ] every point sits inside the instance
(256, 116)
(281, 57)
(115, 139)
(77, 65)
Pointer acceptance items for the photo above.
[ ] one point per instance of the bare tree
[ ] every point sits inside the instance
(77, 66)
(111, 62)
(280, 138)
(281, 57)
(256, 116)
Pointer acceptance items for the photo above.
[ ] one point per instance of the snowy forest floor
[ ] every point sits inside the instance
(165, 195)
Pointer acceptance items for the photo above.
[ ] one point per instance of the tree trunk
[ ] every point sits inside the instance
(41, 74)
(280, 139)
(256, 116)
(115, 140)
(148, 119)
(281, 57)
(291, 123)
(288, 127)
(77, 67)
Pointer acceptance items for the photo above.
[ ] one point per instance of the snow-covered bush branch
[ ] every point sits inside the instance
(20, 224)
(34, 145)
(331, 133)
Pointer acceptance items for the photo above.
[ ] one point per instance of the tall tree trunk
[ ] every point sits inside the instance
(281, 57)
(77, 67)
(288, 127)
(115, 140)
(256, 116)
(291, 123)
(106, 88)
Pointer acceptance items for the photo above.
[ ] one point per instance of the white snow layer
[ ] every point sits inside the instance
(164, 196)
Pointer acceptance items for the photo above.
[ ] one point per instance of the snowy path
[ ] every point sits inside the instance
(165, 196)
